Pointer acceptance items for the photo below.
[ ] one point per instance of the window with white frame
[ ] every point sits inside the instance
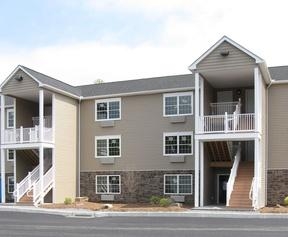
(108, 109)
(177, 104)
(11, 155)
(107, 146)
(108, 184)
(178, 184)
(10, 118)
(178, 143)
(10, 184)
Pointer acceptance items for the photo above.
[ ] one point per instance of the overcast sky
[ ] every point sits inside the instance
(79, 41)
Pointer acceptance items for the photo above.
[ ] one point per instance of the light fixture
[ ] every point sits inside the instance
(19, 78)
(224, 53)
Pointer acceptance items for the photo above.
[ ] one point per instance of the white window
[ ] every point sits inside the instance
(178, 143)
(11, 155)
(10, 184)
(108, 184)
(107, 146)
(10, 118)
(178, 184)
(108, 109)
(177, 104)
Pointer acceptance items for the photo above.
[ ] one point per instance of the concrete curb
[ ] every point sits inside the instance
(82, 213)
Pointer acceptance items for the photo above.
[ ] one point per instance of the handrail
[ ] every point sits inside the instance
(233, 175)
(251, 189)
(26, 183)
(225, 107)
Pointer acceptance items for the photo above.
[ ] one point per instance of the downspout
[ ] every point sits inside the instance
(79, 143)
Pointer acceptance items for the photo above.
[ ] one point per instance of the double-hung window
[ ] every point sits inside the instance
(108, 184)
(178, 143)
(178, 184)
(11, 155)
(10, 118)
(108, 109)
(10, 184)
(178, 104)
(107, 146)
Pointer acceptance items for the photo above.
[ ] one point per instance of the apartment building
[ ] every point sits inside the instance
(215, 136)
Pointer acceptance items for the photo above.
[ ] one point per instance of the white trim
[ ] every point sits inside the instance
(7, 154)
(107, 183)
(9, 177)
(107, 138)
(3, 179)
(202, 170)
(107, 101)
(27, 146)
(15, 175)
(148, 92)
(230, 136)
(177, 175)
(178, 94)
(196, 173)
(7, 117)
(197, 98)
(274, 82)
(178, 134)
(53, 117)
(51, 88)
(193, 66)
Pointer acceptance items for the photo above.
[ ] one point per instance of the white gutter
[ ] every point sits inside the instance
(51, 88)
(79, 145)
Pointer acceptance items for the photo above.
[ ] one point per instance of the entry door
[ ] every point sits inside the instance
(222, 188)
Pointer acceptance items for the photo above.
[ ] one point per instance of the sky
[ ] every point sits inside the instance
(80, 41)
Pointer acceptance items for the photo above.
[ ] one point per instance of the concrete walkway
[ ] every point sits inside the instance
(83, 213)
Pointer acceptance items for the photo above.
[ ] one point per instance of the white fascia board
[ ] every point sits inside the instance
(228, 136)
(138, 93)
(51, 88)
(193, 66)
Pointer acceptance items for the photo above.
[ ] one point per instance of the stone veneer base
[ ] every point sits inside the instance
(136, 186)
(277, 186)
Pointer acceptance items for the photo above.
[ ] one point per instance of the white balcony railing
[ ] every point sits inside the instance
(26, 135)
(227, 123)
(225, 107)
(47, 121)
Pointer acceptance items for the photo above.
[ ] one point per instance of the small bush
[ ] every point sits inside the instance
(286, 201)
(68, 201)
(165, 202)
(155, 200)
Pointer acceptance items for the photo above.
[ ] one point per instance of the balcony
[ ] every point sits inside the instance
(226, 118)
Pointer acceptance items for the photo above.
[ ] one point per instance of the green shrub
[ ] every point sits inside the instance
(68, 201)
(165, 202)
(155, 200)
(286, 201)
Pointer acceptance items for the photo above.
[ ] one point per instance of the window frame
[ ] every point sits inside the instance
(107, 183)
(178, 94)
(177, 175)
(107, 101)
(9, 185)
(7, 154)
(9, 110)
(178, 134)
(107, 148)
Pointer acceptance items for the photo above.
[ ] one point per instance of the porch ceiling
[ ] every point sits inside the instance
(230, 78)
(32, 95)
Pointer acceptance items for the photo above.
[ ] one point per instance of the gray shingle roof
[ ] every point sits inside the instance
(53, 82)
(156, 83)
(279, 73)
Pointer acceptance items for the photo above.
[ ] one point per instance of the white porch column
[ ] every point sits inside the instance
(201, 153)
(41, 114)
(258, 98)
(41, 171)
(257, 174)
(197, 98)
(196, 174)
(3, 193)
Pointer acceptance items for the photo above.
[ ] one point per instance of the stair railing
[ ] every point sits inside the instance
(233, 175)
(26, 184)
(252, 193)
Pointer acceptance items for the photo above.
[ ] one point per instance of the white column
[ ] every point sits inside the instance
(196, 170)
(257, 174)
(14, 172)
(41, 171)
(201, 153)
(258, 98)
(3, 194)
(41, 114)
(201, 96)
(197, 98)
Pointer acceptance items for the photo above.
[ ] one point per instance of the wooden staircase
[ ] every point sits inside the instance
(242, 185)
(27, 199)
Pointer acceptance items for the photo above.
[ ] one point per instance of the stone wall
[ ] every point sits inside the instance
(136, 186)
(277, 186)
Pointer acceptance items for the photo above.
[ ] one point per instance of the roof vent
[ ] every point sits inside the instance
(224, 53)
(19, 78)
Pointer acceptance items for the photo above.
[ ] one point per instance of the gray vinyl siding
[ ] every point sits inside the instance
(13, 86)
(278, 127)
(141, 128)
(214, 60)
(25, 110)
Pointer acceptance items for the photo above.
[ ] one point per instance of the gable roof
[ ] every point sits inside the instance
(193, 66)
(279, 73)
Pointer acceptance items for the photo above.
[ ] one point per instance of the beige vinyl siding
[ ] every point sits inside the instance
(141, 128)
(214, 60)
(65, 147)
(25, 110)
(18, 87)
(278, 127)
